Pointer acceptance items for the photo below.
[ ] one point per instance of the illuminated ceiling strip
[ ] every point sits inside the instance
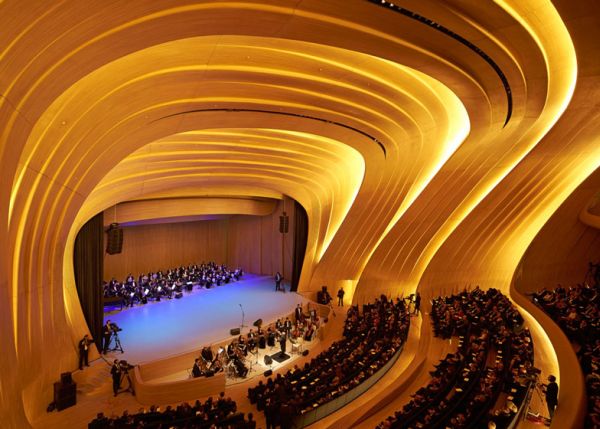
(297, 115)
(439, 27)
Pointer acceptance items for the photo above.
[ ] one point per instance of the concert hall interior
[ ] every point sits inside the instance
(420, 148)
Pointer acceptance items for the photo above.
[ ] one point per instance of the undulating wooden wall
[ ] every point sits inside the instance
(563, 248)
(250, 242)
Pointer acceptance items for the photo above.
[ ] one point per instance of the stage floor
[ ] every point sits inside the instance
(202, 317)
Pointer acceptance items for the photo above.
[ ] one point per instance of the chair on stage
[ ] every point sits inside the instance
(297, 345)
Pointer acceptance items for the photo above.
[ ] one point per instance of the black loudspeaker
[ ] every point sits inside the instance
(114, 243)
(234, 331)
(64, 395)
(284, 223)
(305, 353)
(65, 378)
(268, 360)
(268, 372)
(258, 323)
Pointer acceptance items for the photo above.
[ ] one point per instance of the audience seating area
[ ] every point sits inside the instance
(577, 312)
(210, 414)
(370, 339)
(489, 376)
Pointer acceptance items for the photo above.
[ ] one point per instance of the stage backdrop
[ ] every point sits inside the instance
(250, 242)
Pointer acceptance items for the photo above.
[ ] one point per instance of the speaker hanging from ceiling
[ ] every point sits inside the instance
(284, 223)
(114, 242)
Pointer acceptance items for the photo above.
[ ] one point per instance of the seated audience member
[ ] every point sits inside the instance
(465, 385)
(371, 338)
(577, 312)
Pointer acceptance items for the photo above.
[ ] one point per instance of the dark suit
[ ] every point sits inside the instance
(84, 346)
(196, 371)
(116, 376)
(552, 397)
(106, 333)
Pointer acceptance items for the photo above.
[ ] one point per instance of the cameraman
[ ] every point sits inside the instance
(551, 395)
(116, 376)
(106, 334)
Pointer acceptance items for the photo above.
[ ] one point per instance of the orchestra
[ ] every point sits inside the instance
(237, 357)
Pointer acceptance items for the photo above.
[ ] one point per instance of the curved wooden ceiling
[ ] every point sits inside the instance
(393, 133)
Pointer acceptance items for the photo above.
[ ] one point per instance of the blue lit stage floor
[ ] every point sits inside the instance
(204, 316)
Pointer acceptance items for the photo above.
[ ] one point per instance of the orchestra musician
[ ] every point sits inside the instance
(271, 337)
(287, 326)
(207, 354)
(231, 348)
(242, 346)
(308, 334)
(251, 340)
(196, 371)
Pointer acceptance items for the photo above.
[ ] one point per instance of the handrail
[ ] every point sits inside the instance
(330, 407)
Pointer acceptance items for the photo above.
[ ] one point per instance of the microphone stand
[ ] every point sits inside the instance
(242, 326)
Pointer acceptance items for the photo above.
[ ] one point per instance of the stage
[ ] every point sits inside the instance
(204, 316)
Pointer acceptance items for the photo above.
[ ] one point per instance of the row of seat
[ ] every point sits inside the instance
(371, 337)
(486, 381)
(577, 312)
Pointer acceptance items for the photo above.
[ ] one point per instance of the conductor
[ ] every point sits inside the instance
(282, 343)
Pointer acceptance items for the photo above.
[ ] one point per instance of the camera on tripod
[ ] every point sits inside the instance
(115, 328)
(125, 366)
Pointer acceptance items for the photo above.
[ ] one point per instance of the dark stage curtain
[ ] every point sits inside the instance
(300, 239)
(88, 263)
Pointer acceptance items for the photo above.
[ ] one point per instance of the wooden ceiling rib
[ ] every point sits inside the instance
(428, 148)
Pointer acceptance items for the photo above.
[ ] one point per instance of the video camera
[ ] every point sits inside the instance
(115, 328)
(125, 366)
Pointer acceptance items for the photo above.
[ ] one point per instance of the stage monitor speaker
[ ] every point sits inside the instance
(234, 331)
(66, 378)
(114, 243)
(268, 360)
(268, 372)
(284, 223)
(257, 323)
(64, 395)
(305, 353)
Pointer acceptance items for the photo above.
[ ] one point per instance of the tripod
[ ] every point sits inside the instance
(129, 388)
(118, 345)
(529, 414)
